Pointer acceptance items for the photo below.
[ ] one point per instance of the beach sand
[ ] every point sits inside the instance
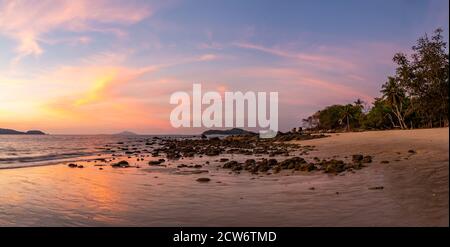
(414, 190)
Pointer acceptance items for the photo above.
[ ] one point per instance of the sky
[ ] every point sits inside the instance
(105, 66)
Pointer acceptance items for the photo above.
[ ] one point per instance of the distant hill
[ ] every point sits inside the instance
(15, 132)
(126, 133)
(234, 131)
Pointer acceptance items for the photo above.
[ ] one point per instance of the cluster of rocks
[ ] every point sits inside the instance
(72, 165)
(245, 145)
(298, 164)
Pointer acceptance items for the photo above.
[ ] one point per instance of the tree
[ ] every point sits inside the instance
(359, 103)
(347, 114)
(417, 94)
(424, 79)
(379, 116)
(394, 95)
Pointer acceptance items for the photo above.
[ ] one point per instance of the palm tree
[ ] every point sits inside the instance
(359, 103)
(346, 114)
(395, 95)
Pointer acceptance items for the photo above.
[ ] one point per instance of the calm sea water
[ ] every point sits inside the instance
(31, 150)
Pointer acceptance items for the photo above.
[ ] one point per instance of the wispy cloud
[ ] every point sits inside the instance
(27, 21)
(310, 58)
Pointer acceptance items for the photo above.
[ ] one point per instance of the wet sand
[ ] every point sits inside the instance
(415, 190)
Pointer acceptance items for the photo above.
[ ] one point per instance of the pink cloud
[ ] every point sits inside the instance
(27, 21)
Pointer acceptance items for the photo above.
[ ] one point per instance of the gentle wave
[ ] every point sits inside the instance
(49, 157)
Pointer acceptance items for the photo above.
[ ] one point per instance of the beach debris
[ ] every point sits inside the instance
(80, 166)
(203, 180)
(71, 165)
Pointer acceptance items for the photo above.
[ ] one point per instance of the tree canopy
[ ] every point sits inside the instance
(415, 96)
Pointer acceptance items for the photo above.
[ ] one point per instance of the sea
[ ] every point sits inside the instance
(18, 151)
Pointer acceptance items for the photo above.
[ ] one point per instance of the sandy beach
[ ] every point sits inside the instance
(409, 169)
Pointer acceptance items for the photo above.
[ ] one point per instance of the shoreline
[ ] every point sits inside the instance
(410, 190)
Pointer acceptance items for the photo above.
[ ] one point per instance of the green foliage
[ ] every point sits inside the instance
(416, 96)
(336, 116)
(379, 117)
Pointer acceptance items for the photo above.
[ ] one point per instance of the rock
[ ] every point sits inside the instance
(198, 166)
(367, 159)
(376, 188)
(224, 160)
(357, 158)
(71, 165)
(80, 166)
(203, 180)
(333, 166)
(272, 162)
(308, 167)
(384, 161)
(412, 151)
(154, 162)
(173, 156)
(121, 164)
(292, 163)
(250, 162)
(230, 164)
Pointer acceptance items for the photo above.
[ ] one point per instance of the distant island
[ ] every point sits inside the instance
(126, 133)
(234, 131)
(15, 132)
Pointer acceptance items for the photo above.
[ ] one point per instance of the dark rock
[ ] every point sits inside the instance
(367, 159)
(292, 162)
(334, 166)
(230, 164)
(71, 165)
(154, 162)
(121, 164)
(357, 157)
(203, 180)
(272, 162)
(376, 188)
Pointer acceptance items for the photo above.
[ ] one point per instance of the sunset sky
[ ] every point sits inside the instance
(104, 66)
